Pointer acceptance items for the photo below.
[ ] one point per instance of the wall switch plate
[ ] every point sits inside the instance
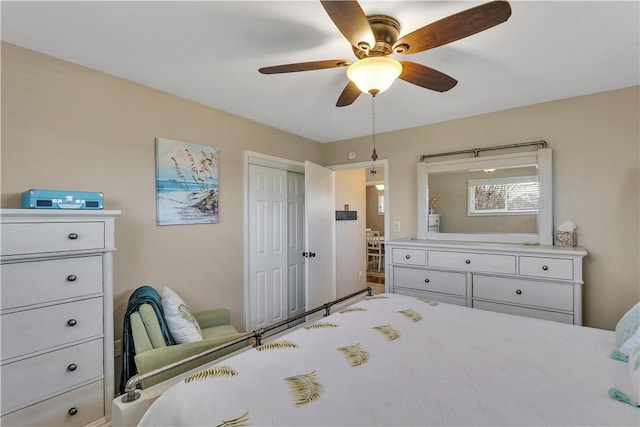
(396, 225)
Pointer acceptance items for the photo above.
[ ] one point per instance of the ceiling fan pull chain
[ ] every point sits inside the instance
(374, 155)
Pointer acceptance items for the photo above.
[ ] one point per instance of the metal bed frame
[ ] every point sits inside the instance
(132, 395)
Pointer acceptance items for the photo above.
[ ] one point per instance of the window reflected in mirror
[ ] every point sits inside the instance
(503, 196)
(496, 201)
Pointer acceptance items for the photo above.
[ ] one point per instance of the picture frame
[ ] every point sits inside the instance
(187, 183)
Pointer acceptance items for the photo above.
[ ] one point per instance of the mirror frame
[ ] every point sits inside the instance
(541, 158)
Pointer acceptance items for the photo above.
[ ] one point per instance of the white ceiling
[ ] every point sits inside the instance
(210, 51)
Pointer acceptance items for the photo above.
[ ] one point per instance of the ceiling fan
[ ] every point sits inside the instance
(374, 38)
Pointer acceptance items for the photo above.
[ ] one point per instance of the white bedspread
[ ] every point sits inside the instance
(434, 364)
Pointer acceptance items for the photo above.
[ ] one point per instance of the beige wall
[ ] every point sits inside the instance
(69, 127)
(595, 142)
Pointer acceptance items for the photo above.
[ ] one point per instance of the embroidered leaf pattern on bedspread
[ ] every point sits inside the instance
(377, 297)
(428, 301)
(305, 388)
(241, 421)
(355, 354)
(321, 325)
(277, 345)
(352, 310)
(388, 332)
(223, 371)
(411, 314)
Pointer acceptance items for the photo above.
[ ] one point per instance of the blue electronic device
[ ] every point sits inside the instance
(60, 199)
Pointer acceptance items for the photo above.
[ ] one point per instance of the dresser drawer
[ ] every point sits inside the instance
(553, 268)
(32, 238)
(26, 283)
(524, 311)
(557, 296)
(469, 261)
(29, 380)
(409, 256)
(430, 280)
(73, 409)
(28, 331)
(433, 296)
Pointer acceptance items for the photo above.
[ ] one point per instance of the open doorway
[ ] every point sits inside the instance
(375, 216)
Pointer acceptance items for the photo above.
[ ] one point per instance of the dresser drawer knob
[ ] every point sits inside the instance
(545, 268)
(72, 278)
(468, 261)
(72, 322)
(73, 236)
(426, 280)
(72, 367)
(518, 291)
(407, 256)
(73, 411)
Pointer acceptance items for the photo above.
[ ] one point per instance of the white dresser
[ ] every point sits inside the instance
(56, 316)
(535, 281)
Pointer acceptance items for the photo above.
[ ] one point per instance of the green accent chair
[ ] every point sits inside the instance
(151, 351)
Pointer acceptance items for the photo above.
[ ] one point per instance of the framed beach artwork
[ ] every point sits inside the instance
(186, 183)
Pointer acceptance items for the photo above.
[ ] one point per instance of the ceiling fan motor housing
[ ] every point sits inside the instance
(386, 31)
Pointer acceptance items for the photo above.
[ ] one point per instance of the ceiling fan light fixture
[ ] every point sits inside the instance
(374, 74)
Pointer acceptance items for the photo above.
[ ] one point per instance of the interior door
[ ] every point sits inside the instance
(320, 265)
(267, 246)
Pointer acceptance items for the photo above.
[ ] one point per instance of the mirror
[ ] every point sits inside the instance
(503, 198)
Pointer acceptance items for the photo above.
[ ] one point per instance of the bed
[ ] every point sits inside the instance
(389, 360)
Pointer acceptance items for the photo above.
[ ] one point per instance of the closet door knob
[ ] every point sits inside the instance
(73, 236)
(426, 280)
(73, 411)
(72, 278)
(72, 367)
(545, 268)
(518, 291)
(468, 261)
(72, 322)
(407, 256)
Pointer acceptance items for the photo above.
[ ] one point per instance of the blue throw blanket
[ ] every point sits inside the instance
(143, 295)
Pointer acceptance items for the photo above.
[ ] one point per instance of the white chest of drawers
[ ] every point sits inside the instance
(535, 281)
(56, 316)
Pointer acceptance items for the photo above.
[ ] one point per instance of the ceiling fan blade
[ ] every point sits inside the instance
(454, 27)
(348, 95)
(426, 77)
(350, 19)
(305, 66)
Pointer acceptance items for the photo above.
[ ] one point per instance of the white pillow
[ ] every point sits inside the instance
(630, 345)
(181, 323)
(627, 334)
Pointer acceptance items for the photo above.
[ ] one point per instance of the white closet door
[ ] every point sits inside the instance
(295, 239)
(267, 246)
